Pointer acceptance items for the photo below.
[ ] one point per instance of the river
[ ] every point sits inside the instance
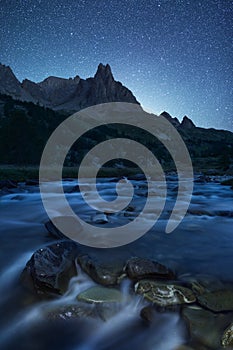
(201, 245)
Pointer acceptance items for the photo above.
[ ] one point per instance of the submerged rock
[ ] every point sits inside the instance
(50, 268)
(164, 294)
(67, 312)
(106, 274)
(99, 294)
(205, 326)
(217, 301)
(227, 338)
(140, 268)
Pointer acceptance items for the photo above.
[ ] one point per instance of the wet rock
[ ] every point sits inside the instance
(99, 218)
(99, 294)
(217, 301)
(141, 268)
(67, 312)
(32, 182)
(148, 313)
(164, 294)
(201, 283)
(201, 178)
(101, 272)
(8, 184)
(227, 338)
(205, 326)
(50, 269)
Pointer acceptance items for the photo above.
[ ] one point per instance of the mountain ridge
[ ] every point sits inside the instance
(68, 94)
(73, 94)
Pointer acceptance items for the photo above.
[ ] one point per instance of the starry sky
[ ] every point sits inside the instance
(175, 55)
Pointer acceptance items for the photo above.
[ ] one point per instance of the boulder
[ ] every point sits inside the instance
(217, 301)
(163, 294)
(50, 268)
(205, 327)
(141, 268)
(105, 273)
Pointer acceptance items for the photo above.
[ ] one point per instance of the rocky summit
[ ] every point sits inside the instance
(70, 94)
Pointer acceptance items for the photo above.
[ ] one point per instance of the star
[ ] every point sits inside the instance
(173, 55)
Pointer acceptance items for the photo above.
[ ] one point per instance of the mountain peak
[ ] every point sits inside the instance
(10, 85)
(172, 120)
(104, 71)
(7, 73)
(187, 123)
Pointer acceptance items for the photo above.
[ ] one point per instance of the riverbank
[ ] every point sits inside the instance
(24, 173)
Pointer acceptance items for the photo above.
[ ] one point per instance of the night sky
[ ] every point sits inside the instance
(174, 55)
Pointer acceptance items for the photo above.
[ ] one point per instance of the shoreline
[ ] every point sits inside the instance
(24, 173)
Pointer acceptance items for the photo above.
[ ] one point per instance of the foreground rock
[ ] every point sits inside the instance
(227, 338)
(217, 301)
(50, 268)
(106, 274)
(205, 327)
(107, 302)
(164, 294)
(140, 268)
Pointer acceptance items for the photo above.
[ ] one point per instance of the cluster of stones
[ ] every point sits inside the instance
(205, 306)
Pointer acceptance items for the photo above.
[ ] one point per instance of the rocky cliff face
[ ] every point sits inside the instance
(10, 85)
(67, 94)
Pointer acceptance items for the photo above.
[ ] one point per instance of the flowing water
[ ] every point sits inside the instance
(202, 245)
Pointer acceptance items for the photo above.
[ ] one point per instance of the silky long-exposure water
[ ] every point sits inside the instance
(201, 245)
